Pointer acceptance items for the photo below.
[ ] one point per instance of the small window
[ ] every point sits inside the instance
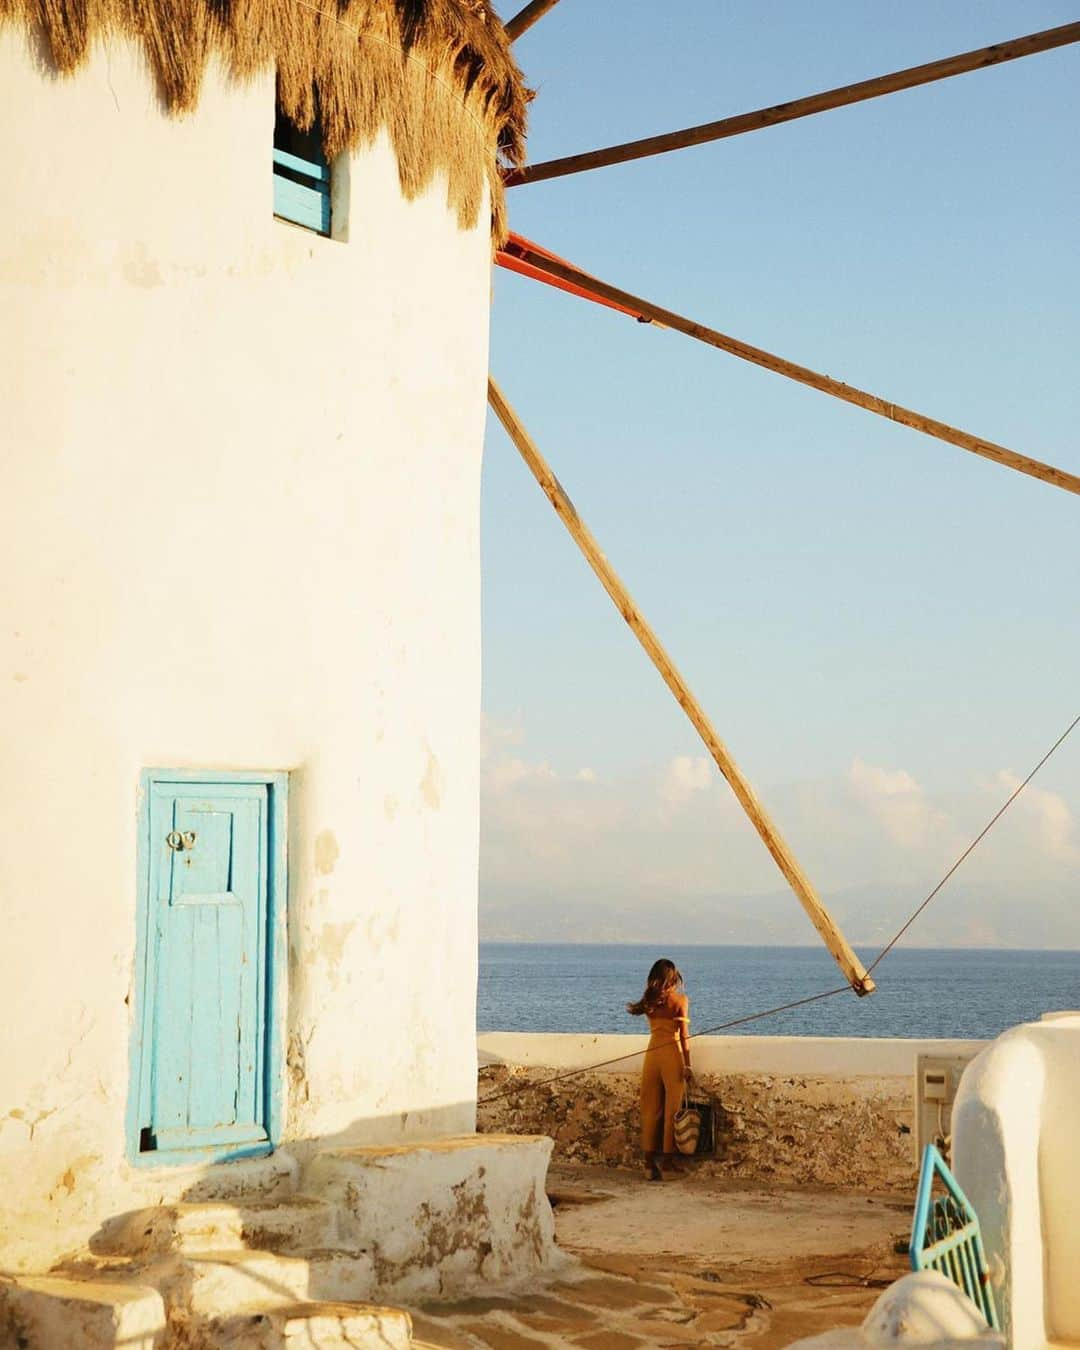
(301, 175)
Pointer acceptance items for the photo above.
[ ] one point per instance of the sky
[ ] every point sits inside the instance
(883, 629)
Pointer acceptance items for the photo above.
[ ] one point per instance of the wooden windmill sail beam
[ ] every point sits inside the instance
(565, 276)
(525, 18)
(854, 970)
(847, 94)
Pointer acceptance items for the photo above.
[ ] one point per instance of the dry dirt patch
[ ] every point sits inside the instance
(852, 1133)
(693, 1262)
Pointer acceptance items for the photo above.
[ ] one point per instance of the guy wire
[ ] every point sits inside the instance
(512, 1088)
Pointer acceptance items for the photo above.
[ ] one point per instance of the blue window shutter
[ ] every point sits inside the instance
(301, 176)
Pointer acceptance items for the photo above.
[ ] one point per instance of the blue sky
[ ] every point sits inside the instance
(874, 620)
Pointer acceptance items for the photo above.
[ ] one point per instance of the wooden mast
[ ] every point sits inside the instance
(854, 970)
(841, 97)
(895, 412)
(525, 18)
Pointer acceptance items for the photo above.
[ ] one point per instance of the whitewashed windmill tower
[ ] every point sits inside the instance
(244, 296)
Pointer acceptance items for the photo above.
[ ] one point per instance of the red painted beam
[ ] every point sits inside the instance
(510, 257)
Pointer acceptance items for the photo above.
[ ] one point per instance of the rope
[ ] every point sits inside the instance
(513, 1088)
(970, 848)
(843, 1279)
(510, 1089)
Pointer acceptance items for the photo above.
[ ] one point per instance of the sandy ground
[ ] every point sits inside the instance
(694, 1261)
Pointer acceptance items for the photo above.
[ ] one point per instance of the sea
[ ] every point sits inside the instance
(958, 993)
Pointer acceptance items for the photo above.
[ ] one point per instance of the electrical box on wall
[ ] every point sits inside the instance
(936, 1079)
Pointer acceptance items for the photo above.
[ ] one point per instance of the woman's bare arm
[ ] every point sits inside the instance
(682, 1021)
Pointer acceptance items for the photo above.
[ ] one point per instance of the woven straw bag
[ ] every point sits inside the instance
(687, 1126)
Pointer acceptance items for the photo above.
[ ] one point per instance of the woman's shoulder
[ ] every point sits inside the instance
(676, 1004)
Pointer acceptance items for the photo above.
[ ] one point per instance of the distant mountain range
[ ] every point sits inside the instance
(1045, 917)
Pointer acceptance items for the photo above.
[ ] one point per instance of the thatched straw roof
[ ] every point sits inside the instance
(436, 74)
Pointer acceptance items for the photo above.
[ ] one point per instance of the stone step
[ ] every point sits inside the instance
(303, 1326)
(272, 1177)
(294, 1224)
(443, 1217)
(219, 1283)
(47, 1312)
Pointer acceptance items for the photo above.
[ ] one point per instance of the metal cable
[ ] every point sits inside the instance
(513, 1088)
(970, 848)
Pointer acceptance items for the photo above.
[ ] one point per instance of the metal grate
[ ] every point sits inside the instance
(945, 1235)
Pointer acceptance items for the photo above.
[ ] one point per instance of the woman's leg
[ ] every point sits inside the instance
(674, 1090)
(652, 1113)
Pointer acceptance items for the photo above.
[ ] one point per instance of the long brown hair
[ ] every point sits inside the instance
(663, 977)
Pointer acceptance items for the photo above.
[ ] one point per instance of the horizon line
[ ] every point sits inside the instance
(779, 946)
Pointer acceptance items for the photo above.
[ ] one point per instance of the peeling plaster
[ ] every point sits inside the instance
(431, 785)
(480, 1215)
(33, 1124)
(330, 947)
(140, 269)
(378, 930)
(296, 1065)
(73, 1174)
(326, 852)
(458, 1228)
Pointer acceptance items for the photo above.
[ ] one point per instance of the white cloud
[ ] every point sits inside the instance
(620, 846)
(503, 773)
(501, 770)
(899, 805)
(495, 736)
(684, 776)
(1050, 814)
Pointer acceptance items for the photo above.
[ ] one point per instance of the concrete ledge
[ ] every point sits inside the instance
(329, 1326)
(215, 1284)
(818, 1056)
(47, 1312)
(444, 1218)
(294, 1224)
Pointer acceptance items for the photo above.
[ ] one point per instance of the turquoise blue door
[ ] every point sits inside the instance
(205, 1026)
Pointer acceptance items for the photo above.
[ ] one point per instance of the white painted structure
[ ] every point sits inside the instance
(923, 1309)
(824, 1056)
(241, 504)
(1015, 1153)
(1016, 1144)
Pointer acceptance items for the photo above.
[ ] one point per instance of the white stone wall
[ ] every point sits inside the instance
(240, 530)
(821, 1056)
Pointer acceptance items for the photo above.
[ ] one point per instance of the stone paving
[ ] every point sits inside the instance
(687, 1263)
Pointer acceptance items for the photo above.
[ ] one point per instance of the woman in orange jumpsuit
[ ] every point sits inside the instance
(666, 1068)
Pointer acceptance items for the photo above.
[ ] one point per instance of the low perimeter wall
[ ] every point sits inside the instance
(791, 1110)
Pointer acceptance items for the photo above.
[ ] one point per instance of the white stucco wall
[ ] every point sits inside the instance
(824, 1056)
(240, 530)
(1016, 1155)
